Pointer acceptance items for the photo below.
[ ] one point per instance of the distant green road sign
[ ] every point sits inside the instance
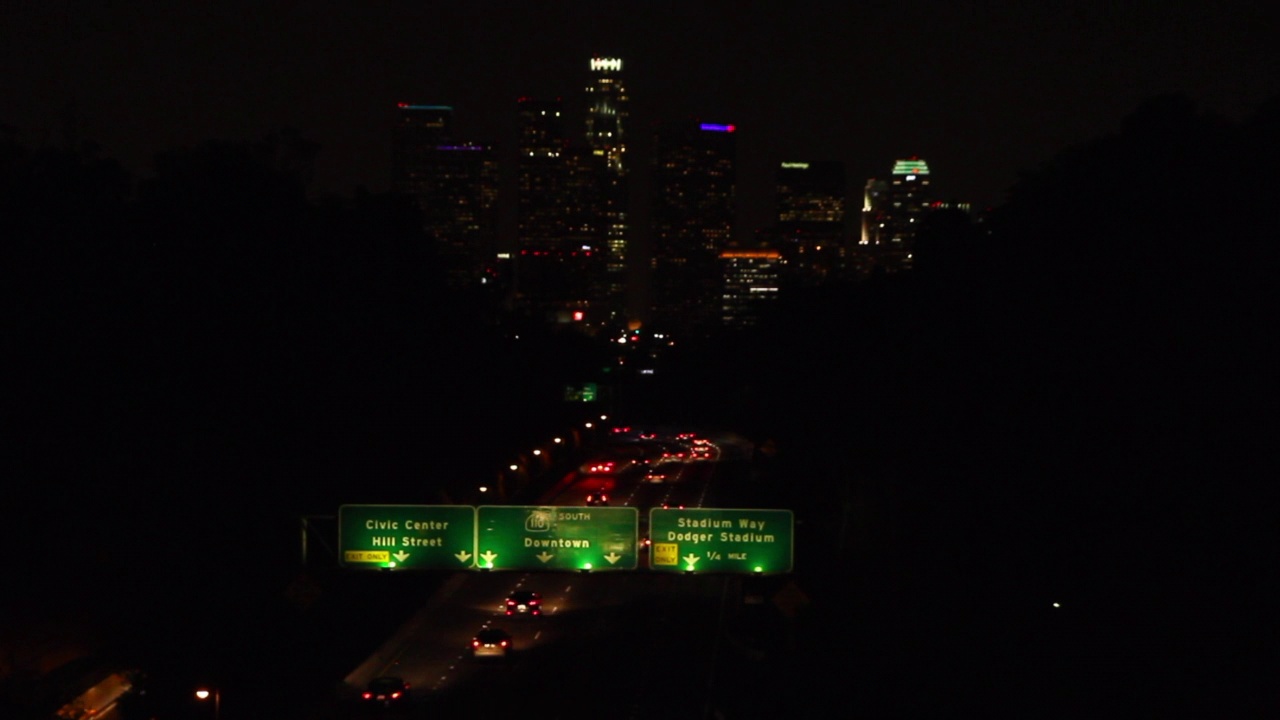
(537, 537)
(407, 537)
(718, 540)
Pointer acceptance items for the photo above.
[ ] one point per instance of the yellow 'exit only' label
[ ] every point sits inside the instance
(369, 556)
(666, 553)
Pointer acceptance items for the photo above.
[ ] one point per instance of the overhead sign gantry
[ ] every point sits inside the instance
(551, 537)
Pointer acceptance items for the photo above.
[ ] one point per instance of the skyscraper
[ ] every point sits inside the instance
(750, 285)
(607, 112)
(607, 122)
(694, 180)
(418, 131)
(811, 202)
(560, 241)
(875, 233)
(455, 186)
(906, 199)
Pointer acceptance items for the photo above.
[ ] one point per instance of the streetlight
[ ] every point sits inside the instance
(203, 694)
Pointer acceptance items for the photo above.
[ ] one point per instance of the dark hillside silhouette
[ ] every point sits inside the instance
(1072, 403)
(207, 340)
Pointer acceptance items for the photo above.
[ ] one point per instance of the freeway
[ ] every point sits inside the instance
(610, 644)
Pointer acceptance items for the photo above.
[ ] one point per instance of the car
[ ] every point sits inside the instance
(606, 466)
(655, 475)
(674, 453)
(385, 692)
(491, 642)
(524, 602)
(704, 452)
(597, 498)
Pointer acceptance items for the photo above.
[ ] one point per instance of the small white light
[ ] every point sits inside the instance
(1056, 605)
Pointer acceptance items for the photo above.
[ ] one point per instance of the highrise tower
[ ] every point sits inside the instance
(607, 112)
(560, 262)
(607, 123)
(907, 201)
(750, 280)
(694, 180)
(455, 186)
(811, 201)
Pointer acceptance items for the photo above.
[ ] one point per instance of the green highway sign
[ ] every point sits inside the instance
(546, 537)
(407, 537)
(725, 541)
(543, 537)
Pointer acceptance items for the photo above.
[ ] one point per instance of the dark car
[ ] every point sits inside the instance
(656, 475)
(597, 498)
(524, 602)
(386, 692)
(491, 642)
(606, 466)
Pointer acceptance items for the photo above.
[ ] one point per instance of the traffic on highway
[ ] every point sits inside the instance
(513, 630)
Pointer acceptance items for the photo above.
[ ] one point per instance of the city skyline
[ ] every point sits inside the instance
(1032, 460)
(982, 92)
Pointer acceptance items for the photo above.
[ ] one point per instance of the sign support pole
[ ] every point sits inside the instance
(306, 528)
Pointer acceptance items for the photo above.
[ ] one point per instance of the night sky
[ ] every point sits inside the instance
(980, 90)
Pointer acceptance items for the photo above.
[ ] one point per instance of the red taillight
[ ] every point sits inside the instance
(367, 695)
(475, 643)
(504, 643)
